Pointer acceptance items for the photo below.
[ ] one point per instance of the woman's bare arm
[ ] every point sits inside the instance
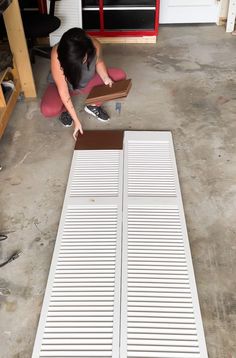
(100, 65)
(63, 90)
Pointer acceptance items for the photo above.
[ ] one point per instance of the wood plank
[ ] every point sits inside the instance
(100, 139)
(128, 39)
(103, 93)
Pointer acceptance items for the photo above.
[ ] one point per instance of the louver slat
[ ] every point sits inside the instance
(96, 175)
(160, 314)
(80, 314)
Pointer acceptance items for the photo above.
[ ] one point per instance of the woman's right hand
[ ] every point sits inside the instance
(108, 81)
(77, 129)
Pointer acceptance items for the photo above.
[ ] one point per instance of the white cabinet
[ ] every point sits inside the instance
(188, 11)
(70, 14)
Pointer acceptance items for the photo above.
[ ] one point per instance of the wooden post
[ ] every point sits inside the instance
(16, 38)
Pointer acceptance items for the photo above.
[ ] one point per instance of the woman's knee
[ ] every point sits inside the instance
(51, 104)
(117, 74)
(49, 111)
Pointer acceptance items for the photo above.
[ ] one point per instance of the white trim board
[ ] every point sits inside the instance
(121, 283)
(231, 16)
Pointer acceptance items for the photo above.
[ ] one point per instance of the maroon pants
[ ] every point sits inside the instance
(51, 103)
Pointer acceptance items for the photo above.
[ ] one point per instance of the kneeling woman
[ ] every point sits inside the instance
(76, 66)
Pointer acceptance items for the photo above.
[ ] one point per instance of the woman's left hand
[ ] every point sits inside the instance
(77, 129)
(108, 81)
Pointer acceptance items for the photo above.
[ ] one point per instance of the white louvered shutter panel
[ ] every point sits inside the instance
(70, 14)
(80, 313)
(160, 315)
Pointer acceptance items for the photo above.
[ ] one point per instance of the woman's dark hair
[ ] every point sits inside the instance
(72, 49)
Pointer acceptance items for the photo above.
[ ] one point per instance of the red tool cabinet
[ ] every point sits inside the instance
(120, 17)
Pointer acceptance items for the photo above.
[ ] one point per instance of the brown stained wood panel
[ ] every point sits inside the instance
(105, 93)
(103, 139)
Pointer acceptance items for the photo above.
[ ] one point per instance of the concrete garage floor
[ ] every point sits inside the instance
(187, 84)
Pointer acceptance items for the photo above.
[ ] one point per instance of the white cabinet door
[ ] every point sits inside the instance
(121, 282)
(188, 11)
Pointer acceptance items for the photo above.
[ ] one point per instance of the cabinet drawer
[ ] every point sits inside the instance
(129, 19)
(86, 3)
(135, 3)
(91, 19)
(129, 3)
